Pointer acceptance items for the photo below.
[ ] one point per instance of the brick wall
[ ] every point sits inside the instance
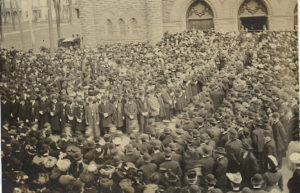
(109, 21)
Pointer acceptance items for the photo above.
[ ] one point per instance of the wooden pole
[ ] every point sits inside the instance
(70, 11)
(19, 10)
(57, 12)
(30, 24)
(50, 27)
(1, 26)
(12, 15)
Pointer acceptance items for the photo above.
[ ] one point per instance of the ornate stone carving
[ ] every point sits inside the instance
(253, 7)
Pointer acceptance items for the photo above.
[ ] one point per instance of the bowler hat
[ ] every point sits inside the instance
(146, 158)
(210, 179)
(257, 179)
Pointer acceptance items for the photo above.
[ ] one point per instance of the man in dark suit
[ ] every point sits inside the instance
(54, 115)
(70, 113)
(233, 150)
(280, 137)
(143, 113)
(24, 107)
(171, 165)
(147, 168)
(79, 118)
(220, 168)
(105, 112)
(248, 164)
(269, 148)
(5, 110)
(62, 115)
(34, 108)
(43, 111)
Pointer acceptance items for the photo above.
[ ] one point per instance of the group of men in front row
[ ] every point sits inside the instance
(97, 113)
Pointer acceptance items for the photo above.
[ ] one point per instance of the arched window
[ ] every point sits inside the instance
(296, 17)
(109, 27)
(122, 28)
(253, 15)
(200, 16)
(133, 26)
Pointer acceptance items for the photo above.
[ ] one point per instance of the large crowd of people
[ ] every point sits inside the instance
(197, 112)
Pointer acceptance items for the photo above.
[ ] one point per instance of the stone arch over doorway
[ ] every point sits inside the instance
(253, 15)
(179, 9)
(199, 16)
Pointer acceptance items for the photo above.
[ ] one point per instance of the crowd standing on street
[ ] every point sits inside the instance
(199, 112)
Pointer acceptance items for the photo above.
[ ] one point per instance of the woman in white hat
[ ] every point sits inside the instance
(235, 182)
(294, 181)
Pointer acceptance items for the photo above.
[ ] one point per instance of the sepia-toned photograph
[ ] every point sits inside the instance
(149, 96)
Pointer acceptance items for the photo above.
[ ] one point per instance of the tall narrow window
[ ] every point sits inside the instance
(133, 26)
(122, 28)
(109, 27)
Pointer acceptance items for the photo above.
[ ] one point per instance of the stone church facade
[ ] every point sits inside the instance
(106, 21)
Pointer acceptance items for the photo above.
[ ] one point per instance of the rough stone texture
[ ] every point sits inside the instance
(154, 17)
(154, 20)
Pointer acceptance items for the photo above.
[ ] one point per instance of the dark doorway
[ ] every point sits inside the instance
(254, 23)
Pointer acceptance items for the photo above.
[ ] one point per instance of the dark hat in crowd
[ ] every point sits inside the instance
(220, 150)
(74, 152)
(147, 158)
(77, 186)
(89, 144)
(210, 179)
(257, 179)
(168, 152)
